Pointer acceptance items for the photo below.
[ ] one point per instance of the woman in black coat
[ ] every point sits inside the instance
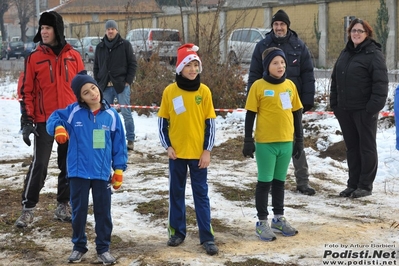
(358, 92)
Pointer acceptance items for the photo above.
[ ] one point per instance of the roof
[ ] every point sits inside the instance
(107, 7)
(210, 3)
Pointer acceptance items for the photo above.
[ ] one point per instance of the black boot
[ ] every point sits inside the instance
(306, 190)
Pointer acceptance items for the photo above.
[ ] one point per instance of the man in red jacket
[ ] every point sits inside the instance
(49, 71)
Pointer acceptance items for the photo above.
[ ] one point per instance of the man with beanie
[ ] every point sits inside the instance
(96, 147)
(114, 69)
(299, 70)
(46, 87)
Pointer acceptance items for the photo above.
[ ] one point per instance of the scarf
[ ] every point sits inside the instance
(186, 84)
(272, 80)
(109, 43)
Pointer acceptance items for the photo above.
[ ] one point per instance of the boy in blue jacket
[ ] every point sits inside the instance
(96, 146)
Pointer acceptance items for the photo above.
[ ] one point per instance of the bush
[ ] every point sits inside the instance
(225, 82)
(151, 79)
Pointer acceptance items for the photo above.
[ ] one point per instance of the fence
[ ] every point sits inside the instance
(211, 27)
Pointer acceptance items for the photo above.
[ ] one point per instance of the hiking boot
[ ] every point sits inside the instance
(25, 219)
(264, 232)
(63, 212)
(76, 256)
(359, 193)
(106, 258)
(306, 190)
(281, 225)
(210, 247)
(130, 145)
(347, 192)
(175, 240)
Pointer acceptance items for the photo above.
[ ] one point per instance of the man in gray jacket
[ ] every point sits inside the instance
(114, 70)
(299, 70)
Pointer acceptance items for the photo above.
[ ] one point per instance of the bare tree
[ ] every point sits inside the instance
(26, 10)
(4, 5)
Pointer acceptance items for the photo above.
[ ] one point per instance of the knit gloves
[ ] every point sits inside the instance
(249, 147)
(117, 179)
(61, 135)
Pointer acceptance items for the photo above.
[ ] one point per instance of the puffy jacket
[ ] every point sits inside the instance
(117, 64)
(360, 78)
(83, 160)
(299, 63)
(46, 85)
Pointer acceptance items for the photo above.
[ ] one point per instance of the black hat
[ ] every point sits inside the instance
(54, 20)
(281, 16)
(268, 56)
(81, 79)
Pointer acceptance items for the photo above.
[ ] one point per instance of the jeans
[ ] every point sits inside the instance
(123, 99)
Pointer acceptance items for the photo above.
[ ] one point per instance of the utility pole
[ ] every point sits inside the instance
(37, 16)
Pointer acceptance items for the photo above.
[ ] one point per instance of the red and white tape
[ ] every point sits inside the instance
(154, 107)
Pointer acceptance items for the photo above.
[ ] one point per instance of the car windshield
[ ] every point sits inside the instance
(16, 44)
(165, 35)
(95, 41)
(73, 42)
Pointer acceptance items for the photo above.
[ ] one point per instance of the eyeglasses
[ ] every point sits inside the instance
(357, 31)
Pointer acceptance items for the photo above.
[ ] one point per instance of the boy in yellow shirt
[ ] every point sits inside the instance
(187, 131)
(275, 101)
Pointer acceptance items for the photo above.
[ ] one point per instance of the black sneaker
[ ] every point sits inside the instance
(306, 190)
(210, 247)
(130, 145)
(175, 240)
(347, 192)
(359, 193)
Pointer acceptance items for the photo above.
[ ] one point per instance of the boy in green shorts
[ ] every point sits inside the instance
(275, 100)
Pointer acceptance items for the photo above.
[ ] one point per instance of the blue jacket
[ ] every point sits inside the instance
(299, 64)
(83, 159)
(396, 113)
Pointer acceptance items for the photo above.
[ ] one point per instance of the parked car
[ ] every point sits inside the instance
(241, 44)
(147, 41)
(14, 49)
(74, 42)
(28, 48)
(88, 48)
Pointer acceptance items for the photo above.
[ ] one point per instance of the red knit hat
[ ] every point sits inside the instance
(185, 54)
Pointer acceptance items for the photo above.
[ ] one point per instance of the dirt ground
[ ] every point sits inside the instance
(343, 222)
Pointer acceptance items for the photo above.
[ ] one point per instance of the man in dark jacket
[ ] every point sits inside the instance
(299, 70)
(114, 70)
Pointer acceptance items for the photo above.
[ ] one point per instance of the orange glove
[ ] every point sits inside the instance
(61, 135)
(117, 179)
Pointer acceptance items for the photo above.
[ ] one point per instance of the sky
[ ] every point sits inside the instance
(328, 225)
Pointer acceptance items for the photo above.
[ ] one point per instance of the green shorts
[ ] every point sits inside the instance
(273, 160)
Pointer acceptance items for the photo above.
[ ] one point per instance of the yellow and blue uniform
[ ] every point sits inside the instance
(187, 123)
